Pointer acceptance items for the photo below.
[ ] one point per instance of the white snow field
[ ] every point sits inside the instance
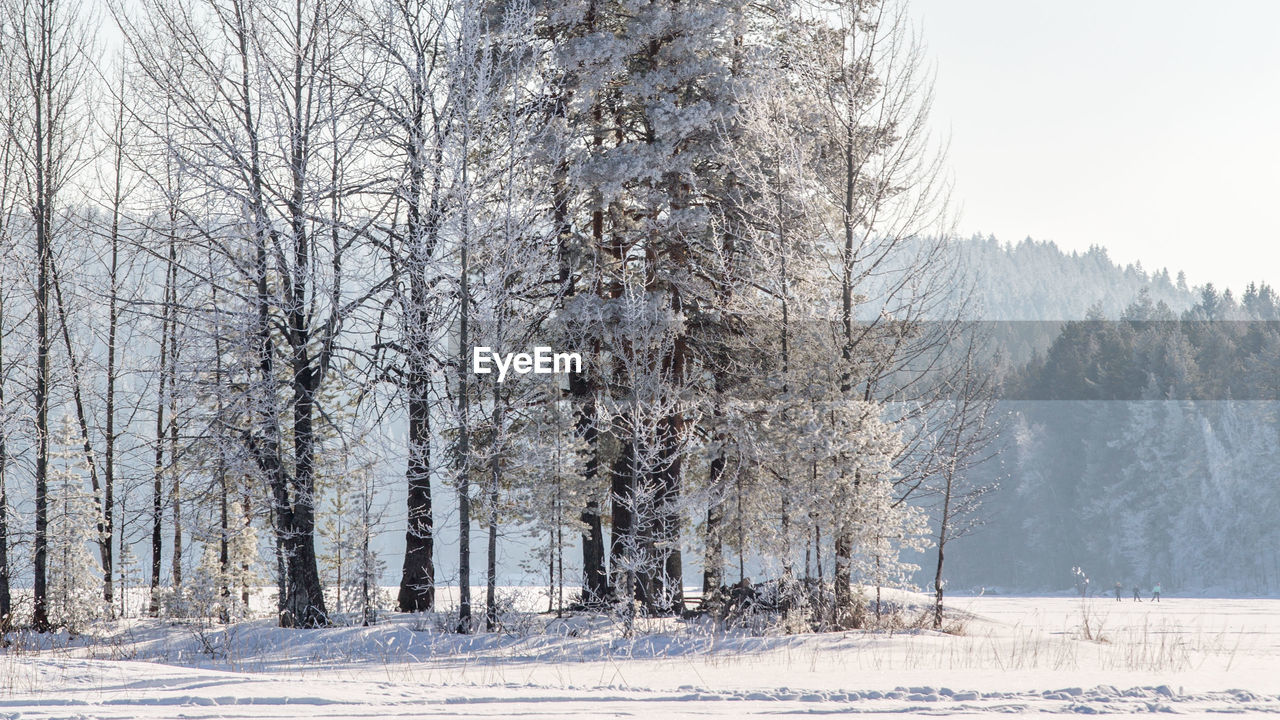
(1017, 655)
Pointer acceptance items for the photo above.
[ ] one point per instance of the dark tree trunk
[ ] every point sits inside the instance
(620, 493)
(937, 591)
(463, 450)
(157, 478)
(491, 551)
(82, 418)
(224, 486)
(109, 459)
(713, 560)
(595, 577)
(6, 599)
(417, 578)
(175, 496)
(248, 523)
(491, 568)
(943, 532)
(713, 540)
(44, 228)
(305, 607)
(113, 319)
(671, 579)
(224, 551)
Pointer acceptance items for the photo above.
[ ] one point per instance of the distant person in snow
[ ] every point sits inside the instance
(1137, 593)
(1155, 593)
(1119, 589)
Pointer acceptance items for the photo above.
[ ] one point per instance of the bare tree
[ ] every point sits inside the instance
(276, 145)
(965, 441)
(408, 84)
(50, 40)
(8, 161)
(118, 144)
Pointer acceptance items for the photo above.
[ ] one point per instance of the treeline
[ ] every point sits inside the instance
(243, 250)
(1144, 450)
(1035, 280)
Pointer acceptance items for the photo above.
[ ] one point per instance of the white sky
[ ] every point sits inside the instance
(1149, 127)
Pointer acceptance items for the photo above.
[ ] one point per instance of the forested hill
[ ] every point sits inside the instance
(1141, 450)
(1037, 280)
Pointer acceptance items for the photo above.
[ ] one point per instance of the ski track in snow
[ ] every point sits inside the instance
(1225, 658)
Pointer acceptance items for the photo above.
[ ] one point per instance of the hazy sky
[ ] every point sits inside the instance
(1149, 127)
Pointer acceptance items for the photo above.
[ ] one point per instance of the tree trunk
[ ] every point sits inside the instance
(368, 616)
(113, 320)
(595, 577)
(109, 447)
(176, 494)
(559, 548)
(495, 478)
(224, 551)
(157, 477)
(845, 613)
(305, 607)
(668, 540)
(463, 451)
(82, 418)
(937, 591)
(417, 577)
(244, 567)
(491, 568)
(620, 492)
(224, 488)
(44, 229)
(943, 529)
(6, 600)
(713, 558)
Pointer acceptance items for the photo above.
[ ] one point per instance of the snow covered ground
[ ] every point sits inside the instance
(1018, 654)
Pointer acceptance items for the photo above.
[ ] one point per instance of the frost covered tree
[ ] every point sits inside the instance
(278, 148)
(651, 419)
(348, 525)
(8, 200)
(48, 53)
(75, 590)
(965, 440)
(349, 508)
(512, 286)
(644, 90)
(331, 205)
(551, 484)
(411, 83)
(364, 581)
(228, 570)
